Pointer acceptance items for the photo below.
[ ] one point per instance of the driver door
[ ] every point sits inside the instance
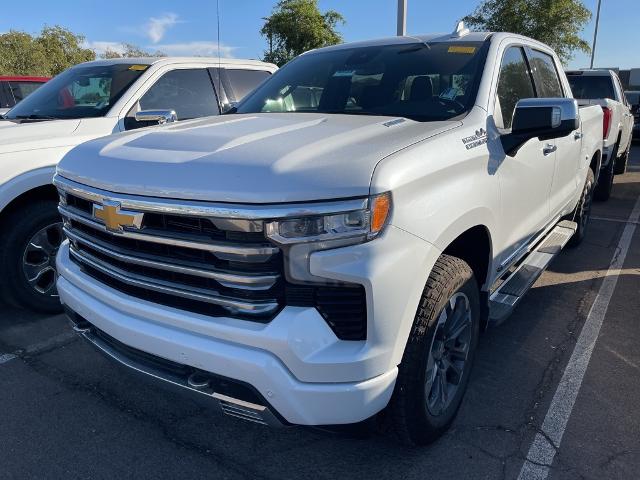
(526, 178)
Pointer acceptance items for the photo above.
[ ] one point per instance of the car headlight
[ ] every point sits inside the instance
(299, 237)
(359, 225)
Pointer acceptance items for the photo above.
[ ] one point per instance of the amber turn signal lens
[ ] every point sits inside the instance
(380, 211)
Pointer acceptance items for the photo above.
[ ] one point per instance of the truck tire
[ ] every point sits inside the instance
(603, 189)
(28, 246)
(582, 213)
(437, 361)
(621, 162)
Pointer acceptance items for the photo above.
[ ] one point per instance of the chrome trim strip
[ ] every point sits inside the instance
(198, 294)
(232, 280)
(209, 209)
(220, 250)
(259, 413)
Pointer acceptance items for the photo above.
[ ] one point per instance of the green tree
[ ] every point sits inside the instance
(55, 49)
(296, 26)
(129, 51)
(557, 23)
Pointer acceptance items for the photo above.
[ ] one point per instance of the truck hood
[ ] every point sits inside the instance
(250, 158)
(20, 137)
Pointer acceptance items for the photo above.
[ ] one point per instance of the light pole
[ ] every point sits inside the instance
(402, 18)
(595, 35)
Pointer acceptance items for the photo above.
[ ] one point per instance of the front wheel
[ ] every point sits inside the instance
(28, 247)
(437, 361)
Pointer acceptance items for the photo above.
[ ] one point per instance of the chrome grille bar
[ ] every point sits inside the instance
(226, 279)
(207, 209)
(223, 251)
(233, 305)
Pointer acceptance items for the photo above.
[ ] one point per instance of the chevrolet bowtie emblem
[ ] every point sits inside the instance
(114, 218)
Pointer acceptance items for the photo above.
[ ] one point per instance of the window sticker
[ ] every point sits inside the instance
(138, 68)
(461, 49)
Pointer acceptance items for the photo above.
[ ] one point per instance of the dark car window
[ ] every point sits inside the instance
(80, 92)
(189, 92)
(422, 82)
(546, 75)
(591, 86)
(633, 97)
(514, 83)
(244, 81)
(21, 90)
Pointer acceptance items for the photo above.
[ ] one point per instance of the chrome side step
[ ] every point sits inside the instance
(504, 299)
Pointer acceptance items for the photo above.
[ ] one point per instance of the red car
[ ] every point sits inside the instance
(14, 89)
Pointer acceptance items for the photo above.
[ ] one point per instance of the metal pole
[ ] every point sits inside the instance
(595, 35)
(402, 18)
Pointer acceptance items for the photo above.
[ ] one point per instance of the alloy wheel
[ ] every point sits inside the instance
(448, 355)
(39, 259)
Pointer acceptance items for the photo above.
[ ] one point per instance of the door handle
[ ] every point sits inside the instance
(548, 148)
(577, 136)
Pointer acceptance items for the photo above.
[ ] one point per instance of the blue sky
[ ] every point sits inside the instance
(187, 27)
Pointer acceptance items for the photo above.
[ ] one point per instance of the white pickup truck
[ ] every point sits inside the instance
(603, 88)
(85, 102)
(334, 248)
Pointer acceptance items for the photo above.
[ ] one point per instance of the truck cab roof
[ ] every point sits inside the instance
(160, 61)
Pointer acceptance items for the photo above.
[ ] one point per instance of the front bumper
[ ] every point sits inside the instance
(296, 363)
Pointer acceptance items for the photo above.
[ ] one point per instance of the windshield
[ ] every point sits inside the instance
(422, 82)
(589, 87)
(80, 92)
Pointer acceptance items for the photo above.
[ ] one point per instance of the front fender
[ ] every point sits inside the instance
(23, 183)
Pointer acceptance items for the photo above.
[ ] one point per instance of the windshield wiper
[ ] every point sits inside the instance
(34, 117)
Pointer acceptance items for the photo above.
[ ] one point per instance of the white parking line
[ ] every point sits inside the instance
(52, 342)
(545, 444)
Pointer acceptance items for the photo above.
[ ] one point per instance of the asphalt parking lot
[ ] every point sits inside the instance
(67, 412)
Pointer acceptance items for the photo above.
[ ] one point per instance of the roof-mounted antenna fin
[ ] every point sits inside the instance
(460, 30)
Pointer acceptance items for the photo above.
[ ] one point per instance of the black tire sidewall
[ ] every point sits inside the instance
(603, 189)
(581, 231)
(420, 426)
(18, 229)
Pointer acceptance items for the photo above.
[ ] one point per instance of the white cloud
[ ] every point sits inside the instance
(102, 46)
(197, 48)
(156, 27)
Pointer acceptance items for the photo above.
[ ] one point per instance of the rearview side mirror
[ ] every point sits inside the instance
(542, 118)
(158, 116)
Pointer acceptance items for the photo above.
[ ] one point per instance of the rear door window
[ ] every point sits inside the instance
(514, 83)
(545, 74)
(242, 82)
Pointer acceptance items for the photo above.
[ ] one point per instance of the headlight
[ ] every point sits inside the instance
(299, 237)
(359, 225)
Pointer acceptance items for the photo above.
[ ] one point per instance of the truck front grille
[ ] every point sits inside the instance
(219, 267)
